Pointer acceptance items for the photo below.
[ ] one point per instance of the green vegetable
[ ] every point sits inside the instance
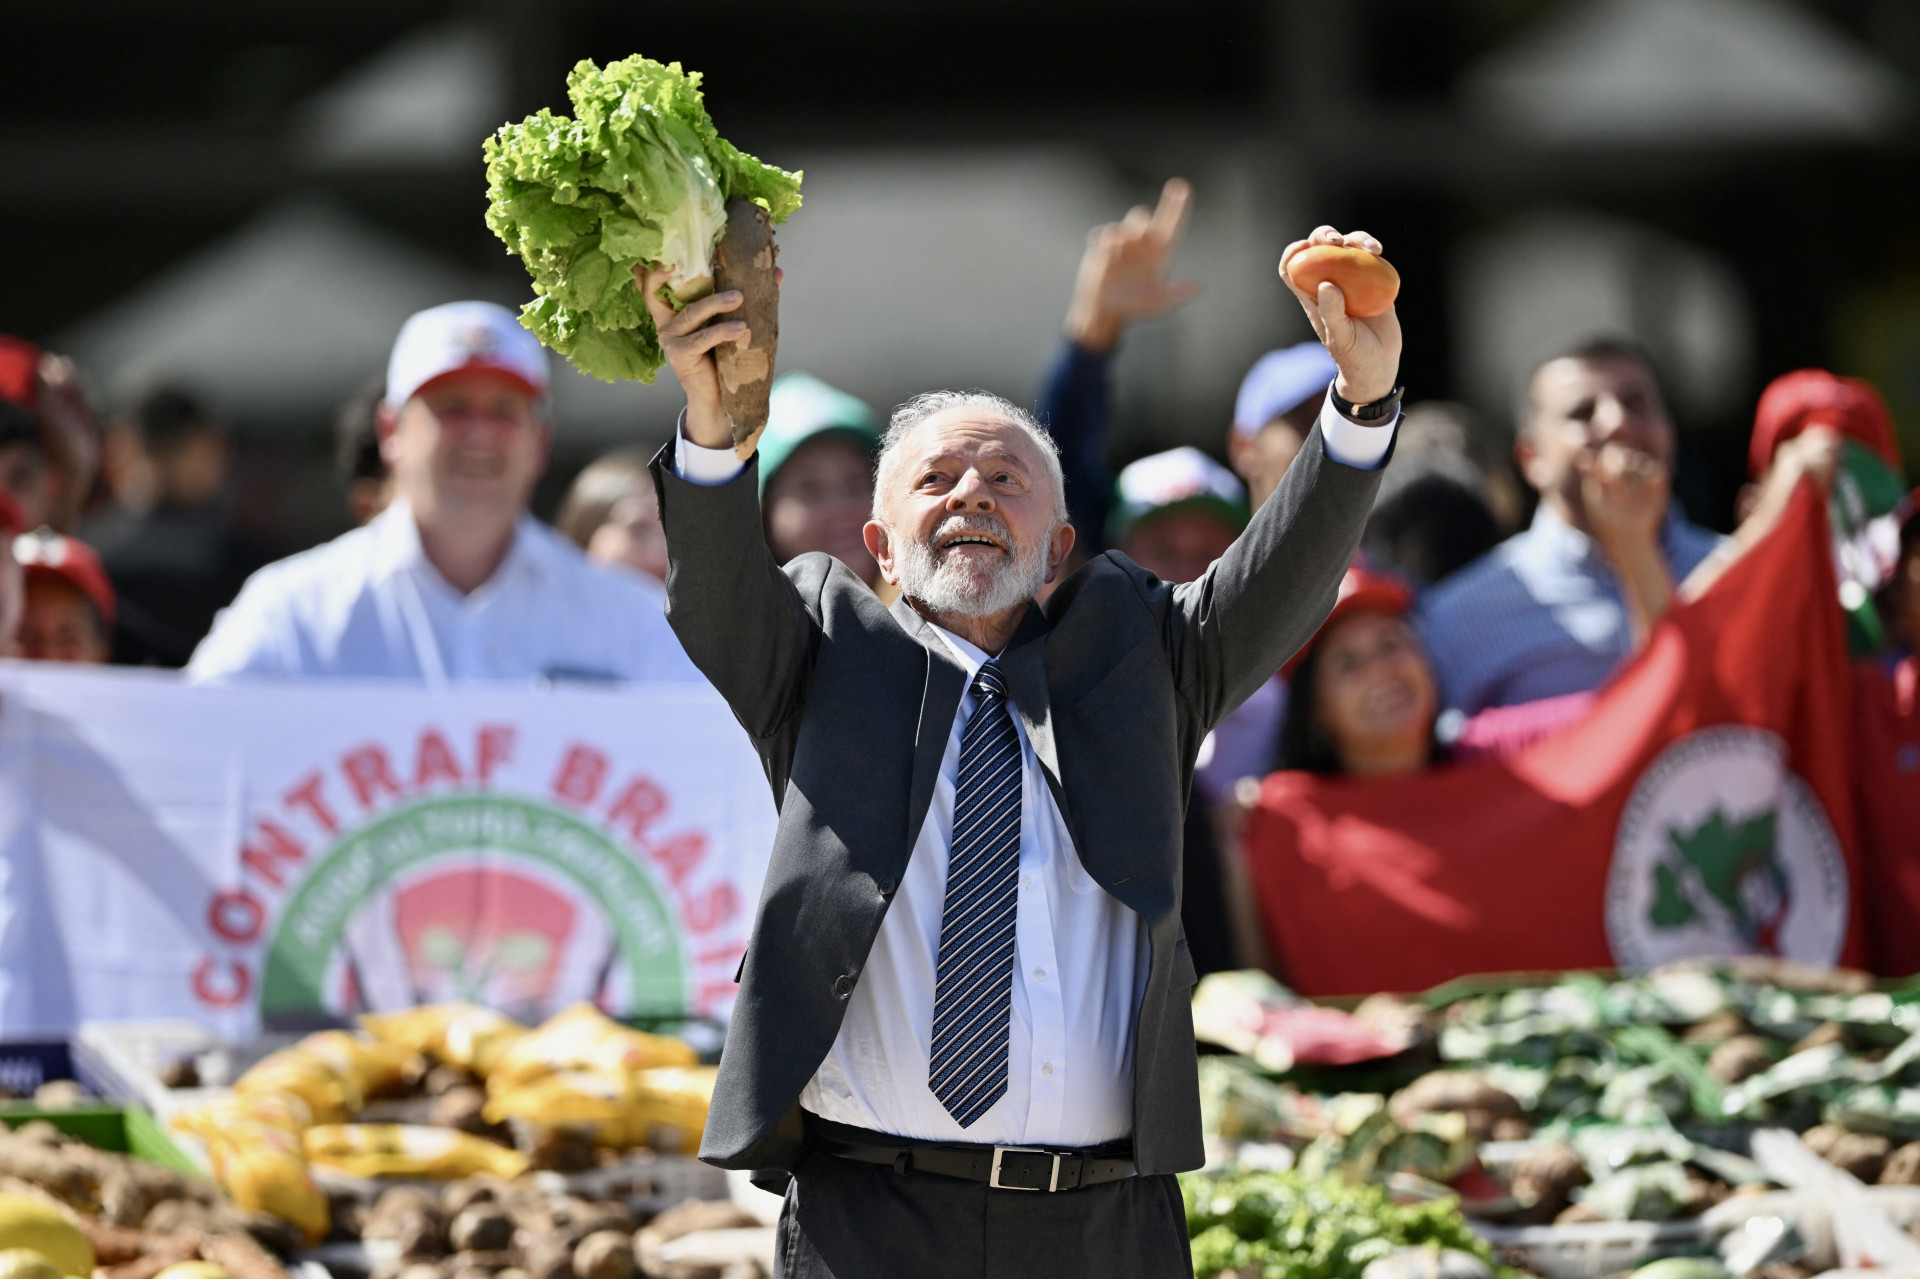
(1282, 1225)
(636, 177)
(1682, 1268)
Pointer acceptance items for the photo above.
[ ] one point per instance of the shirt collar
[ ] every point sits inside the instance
(397, 548)
(1561, 540)
(969, 654)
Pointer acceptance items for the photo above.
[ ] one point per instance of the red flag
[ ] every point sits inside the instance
(1702, 806)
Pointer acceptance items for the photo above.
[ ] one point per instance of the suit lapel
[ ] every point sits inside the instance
(1025, 665)
(946, 680)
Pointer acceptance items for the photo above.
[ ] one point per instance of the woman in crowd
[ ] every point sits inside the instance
(1365, 701)
(612, 513)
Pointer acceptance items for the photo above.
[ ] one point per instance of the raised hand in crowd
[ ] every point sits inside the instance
(1124, 274)
(1367, 350)
(1624, 492)
(1813, 454)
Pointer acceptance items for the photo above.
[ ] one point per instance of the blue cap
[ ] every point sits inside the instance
(1279, 382)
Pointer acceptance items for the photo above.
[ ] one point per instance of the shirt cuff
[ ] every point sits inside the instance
(1351, 444)
(697, 464)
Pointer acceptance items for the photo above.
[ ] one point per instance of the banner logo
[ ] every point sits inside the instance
(1723, 850)
(483, 897)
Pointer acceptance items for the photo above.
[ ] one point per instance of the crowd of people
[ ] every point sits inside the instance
(1465, 628)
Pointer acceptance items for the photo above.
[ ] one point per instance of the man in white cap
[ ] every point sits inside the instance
(454, 581)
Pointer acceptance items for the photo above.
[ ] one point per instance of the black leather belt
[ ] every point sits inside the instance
(1002, 1167)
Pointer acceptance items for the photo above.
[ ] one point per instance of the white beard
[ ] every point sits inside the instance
(949, 584)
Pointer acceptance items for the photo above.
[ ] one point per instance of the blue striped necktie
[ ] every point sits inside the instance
(973, 989)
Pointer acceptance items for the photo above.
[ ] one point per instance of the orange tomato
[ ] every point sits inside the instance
(1369, 282)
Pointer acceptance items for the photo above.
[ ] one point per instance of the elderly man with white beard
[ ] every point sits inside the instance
(962, 1042)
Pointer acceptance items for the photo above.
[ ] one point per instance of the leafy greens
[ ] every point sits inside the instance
(637, 176)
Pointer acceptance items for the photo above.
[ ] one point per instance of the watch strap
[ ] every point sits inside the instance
(1374, 411)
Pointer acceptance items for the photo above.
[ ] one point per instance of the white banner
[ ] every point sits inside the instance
(290, 851)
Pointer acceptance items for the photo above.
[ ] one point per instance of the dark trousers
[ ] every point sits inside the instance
(848, 1220)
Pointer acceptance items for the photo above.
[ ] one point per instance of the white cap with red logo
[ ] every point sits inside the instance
(458, 336)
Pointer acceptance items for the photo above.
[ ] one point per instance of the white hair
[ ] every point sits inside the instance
(923, 406)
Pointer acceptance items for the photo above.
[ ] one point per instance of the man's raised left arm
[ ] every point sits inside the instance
(1235, 626)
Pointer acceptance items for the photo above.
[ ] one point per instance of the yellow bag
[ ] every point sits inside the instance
(409, 1150)
(459, 1034)
(619, 1111)
(263, 1177)
(213, 1121)
(291, 1072)
(370, 1067)
(675, 1097)
(584, 1038)
(568, 1099)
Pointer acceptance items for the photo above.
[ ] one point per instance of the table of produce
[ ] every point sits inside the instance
(1703, 1120)
(443, 1142)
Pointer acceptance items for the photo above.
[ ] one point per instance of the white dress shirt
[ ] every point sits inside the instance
(1080, 956)
(370, 605)
(1080, 964)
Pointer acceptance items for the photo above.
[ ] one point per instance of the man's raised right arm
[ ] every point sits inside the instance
(742, 620)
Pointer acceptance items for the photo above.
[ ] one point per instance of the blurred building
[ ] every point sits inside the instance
(251, 197)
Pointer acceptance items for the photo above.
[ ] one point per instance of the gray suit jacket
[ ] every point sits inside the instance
(1117, 681)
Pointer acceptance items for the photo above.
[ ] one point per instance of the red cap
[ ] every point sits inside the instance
(19, 371)
(49, 554)
(1814, 397)
(1364, 589)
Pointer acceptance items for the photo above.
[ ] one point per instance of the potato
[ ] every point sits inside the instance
(1740, 1057)
(1902, 1167)
(1544, 1180)
(481, 1228)
(1860, 1154)
(1370, 283)
(546, 1256)
(684, 1219)
(744, 260)
(1441, 1091)
(604, 1254)
(468, 1191)
(411, 1217)
(560, 1150)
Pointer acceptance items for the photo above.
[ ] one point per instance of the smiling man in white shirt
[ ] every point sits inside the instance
(454, 581)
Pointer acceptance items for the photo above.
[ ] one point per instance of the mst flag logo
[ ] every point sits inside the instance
(1724, 850)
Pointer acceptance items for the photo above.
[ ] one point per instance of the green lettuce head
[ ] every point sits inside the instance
(637, 177)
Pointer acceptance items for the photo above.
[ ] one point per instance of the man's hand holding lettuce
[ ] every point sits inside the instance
(638, 178)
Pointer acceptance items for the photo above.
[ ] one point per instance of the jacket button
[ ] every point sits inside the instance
(886, 887)
(843, 985)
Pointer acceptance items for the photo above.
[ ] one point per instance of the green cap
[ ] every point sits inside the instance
(1182, 479)
(802, 407)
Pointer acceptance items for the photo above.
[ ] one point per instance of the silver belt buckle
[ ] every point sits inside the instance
(993, 1178)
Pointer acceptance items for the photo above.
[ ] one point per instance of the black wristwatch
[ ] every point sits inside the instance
(1373, 412)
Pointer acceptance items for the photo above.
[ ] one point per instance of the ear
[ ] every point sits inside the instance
(1059, 546)
(1526, 455)
(880, 546)
(1238, 449)
(386, 424)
